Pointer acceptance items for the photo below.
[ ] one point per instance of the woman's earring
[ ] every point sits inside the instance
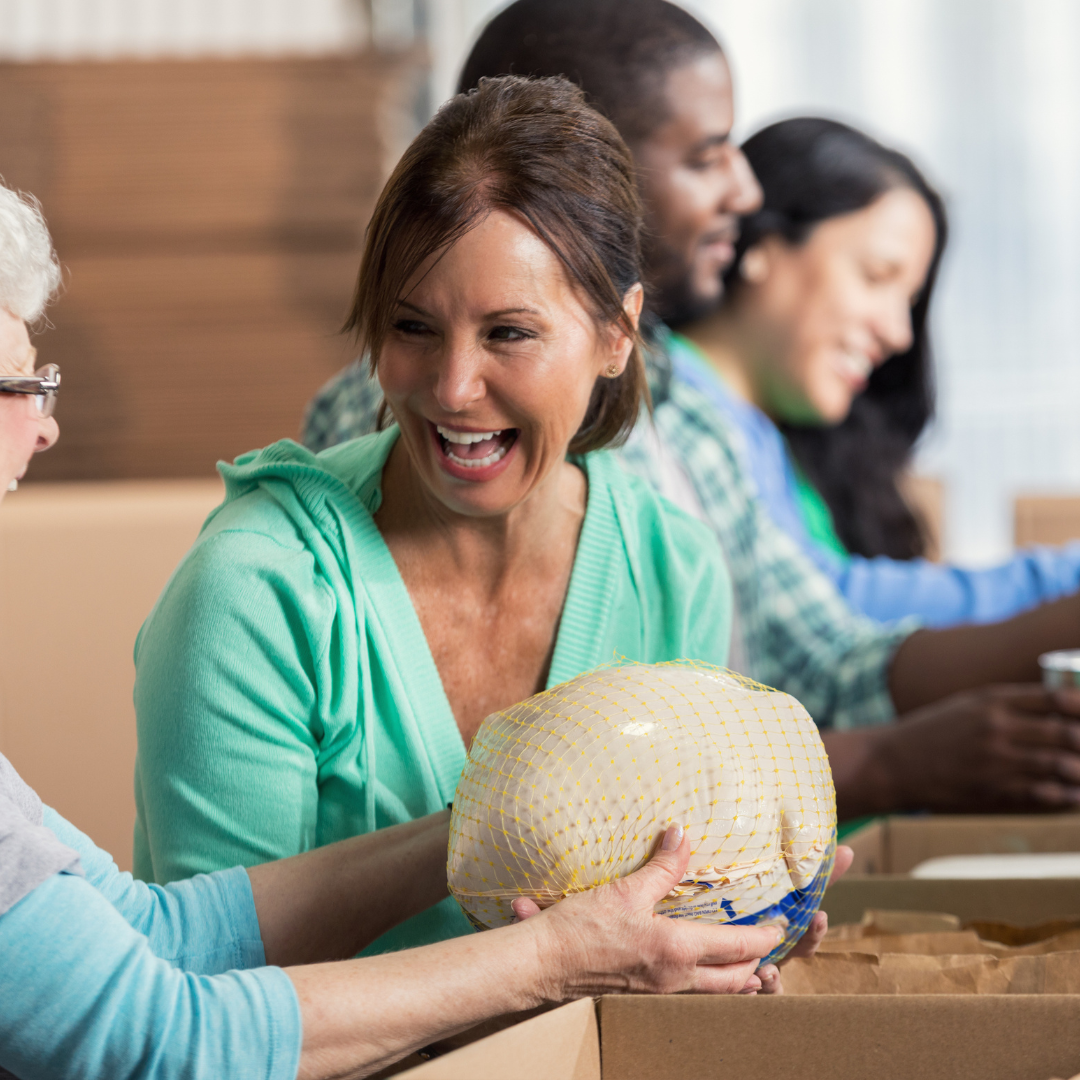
(754, 267)
(612, 371)
(13, 486)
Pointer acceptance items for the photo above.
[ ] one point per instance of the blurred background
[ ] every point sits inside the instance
(207, 168)
(985, 95)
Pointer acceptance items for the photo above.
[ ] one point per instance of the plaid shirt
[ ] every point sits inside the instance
(797, 631)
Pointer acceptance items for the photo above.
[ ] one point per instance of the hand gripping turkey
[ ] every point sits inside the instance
(572, 789)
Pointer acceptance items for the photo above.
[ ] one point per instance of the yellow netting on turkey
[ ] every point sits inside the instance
(573, 788)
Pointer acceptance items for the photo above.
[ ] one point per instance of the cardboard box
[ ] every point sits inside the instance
(210, 216)
(994, 1037)
(1046, 519)
(887, 850)
(81, 565)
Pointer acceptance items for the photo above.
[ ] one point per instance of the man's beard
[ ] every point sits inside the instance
(671, 295)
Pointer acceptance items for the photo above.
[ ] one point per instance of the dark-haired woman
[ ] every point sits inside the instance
(320, 661)
(819, 357)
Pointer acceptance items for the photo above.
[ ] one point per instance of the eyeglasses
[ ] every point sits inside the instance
(44, 385)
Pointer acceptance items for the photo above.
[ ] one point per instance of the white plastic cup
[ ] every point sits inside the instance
(1061, 668)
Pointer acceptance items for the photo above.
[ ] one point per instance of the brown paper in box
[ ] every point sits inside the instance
(1008, 934)
(960, 942)
(940, 958)
(912, 973)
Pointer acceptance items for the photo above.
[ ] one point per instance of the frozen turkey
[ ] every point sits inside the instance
(575, 786)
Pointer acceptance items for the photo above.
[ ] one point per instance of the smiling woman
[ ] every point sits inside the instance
(321, 660)
(819, 357)
(521, 369)
(99, 967)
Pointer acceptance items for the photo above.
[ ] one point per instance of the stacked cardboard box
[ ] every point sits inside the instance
(81, 565)
(209, 215)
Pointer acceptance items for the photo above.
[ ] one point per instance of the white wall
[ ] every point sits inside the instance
(107, 29)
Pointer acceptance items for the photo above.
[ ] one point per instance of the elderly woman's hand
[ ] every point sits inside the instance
(608, 940)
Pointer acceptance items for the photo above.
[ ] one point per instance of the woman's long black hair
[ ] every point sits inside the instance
(810, 170)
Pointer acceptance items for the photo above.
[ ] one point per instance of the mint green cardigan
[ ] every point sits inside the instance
(285, 693)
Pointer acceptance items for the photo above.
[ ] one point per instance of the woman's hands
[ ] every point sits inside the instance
(361, 1015)
(608, 940)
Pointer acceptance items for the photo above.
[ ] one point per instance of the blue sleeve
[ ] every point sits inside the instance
(205, 925)
(888, 589)
(84, 998)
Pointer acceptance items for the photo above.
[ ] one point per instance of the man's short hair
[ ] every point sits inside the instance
(618, 51)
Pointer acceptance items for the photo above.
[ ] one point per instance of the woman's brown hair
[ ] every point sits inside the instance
(532, 147)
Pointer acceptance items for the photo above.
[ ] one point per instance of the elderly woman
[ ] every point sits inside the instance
(320, 661)
(104, 976)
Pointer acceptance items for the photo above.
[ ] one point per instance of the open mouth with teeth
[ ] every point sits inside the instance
(855, 366)
(475, 449)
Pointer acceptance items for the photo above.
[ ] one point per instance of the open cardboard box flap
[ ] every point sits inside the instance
(887, 850)
(937, 1037)
(563, 1044)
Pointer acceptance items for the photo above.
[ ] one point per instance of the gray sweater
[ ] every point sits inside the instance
(29, 852)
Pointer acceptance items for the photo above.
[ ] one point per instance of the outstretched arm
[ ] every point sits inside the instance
(330, 903)
(326, 904)
(932, 664)
(93, 1000)
(942, 595)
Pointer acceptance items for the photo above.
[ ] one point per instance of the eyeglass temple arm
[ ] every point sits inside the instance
(28, 384)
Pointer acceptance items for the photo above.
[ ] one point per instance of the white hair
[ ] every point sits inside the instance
(29, 270)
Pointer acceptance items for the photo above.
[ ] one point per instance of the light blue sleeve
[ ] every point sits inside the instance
(204, 925)
(887, 589)
(84, 997)
(937, 594)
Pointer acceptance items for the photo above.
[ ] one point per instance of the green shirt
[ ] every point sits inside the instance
(815, 512)
(285, 693)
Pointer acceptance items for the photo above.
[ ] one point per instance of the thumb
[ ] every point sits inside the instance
(524, 908)
(665, 869)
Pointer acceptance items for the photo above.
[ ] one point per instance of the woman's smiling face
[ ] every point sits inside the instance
(490, 364)
(839, 305)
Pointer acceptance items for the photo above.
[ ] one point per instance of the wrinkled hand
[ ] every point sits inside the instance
(608, 940)
(814, 935)
(1000, 748)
